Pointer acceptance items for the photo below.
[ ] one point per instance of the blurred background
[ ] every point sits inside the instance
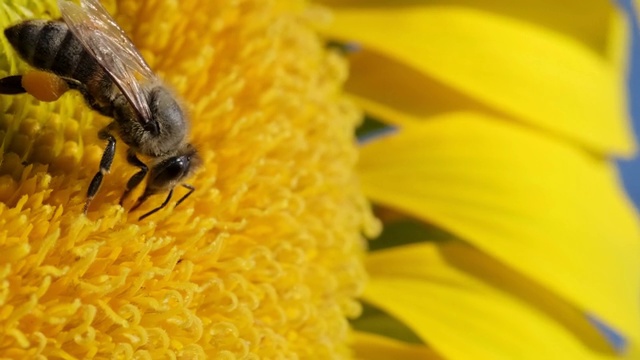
(631, 168)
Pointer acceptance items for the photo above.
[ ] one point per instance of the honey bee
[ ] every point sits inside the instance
(90, 53)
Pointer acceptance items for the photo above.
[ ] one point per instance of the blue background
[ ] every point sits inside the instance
(630, 169)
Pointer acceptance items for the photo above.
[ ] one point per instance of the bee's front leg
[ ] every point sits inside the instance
(137, 177)
(105, 165)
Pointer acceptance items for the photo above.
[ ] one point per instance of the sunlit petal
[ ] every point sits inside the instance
(375, 347)
(465, 317)
(549, 210)
(539, 75)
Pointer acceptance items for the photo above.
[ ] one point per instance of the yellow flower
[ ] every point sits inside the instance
(264, 260)
(509, 236)
(509, 115)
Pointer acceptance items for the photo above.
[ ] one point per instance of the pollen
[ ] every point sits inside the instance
(44, 86)
(264, 260)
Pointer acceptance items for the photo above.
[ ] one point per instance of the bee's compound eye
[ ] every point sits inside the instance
(170, 171)
(174, 169)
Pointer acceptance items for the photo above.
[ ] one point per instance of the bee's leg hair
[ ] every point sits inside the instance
(105, 165)
(137, 177)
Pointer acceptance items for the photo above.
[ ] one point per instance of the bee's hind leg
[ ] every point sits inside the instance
(105, 165)
(137, 177)
(12, 85)
(43, 85)
(106, 110)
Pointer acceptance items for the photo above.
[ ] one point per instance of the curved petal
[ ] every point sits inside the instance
(533, 73)
(376, 347)
(551, 211)
(588, 24)
(464, 317)
(402, 94)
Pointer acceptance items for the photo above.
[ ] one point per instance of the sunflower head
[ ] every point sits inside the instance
(263, 260)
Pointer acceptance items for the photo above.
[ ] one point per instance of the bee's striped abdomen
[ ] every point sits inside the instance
(51, 46)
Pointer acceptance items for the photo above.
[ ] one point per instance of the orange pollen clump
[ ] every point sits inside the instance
(44, 86)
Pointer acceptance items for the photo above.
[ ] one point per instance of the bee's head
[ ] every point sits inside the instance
(168, 118)
(167, 173)
(171, 171)
(162, 133)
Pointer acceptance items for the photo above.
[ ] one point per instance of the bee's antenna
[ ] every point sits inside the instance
(191, 190)
(166, 201)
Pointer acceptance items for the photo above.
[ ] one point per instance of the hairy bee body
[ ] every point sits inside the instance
(51, 46)
(89, 52)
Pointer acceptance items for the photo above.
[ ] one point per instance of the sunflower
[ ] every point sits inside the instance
(505, 227)
(263, 261)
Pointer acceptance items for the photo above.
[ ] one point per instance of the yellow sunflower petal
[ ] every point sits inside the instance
(463, 317)
(533, 73)
(403, 95)
(375, 347)
(550, 211)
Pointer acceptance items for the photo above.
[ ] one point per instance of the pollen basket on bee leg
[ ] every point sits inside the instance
(44, 86)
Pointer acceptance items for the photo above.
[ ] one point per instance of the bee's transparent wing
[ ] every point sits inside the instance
(106, 42)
